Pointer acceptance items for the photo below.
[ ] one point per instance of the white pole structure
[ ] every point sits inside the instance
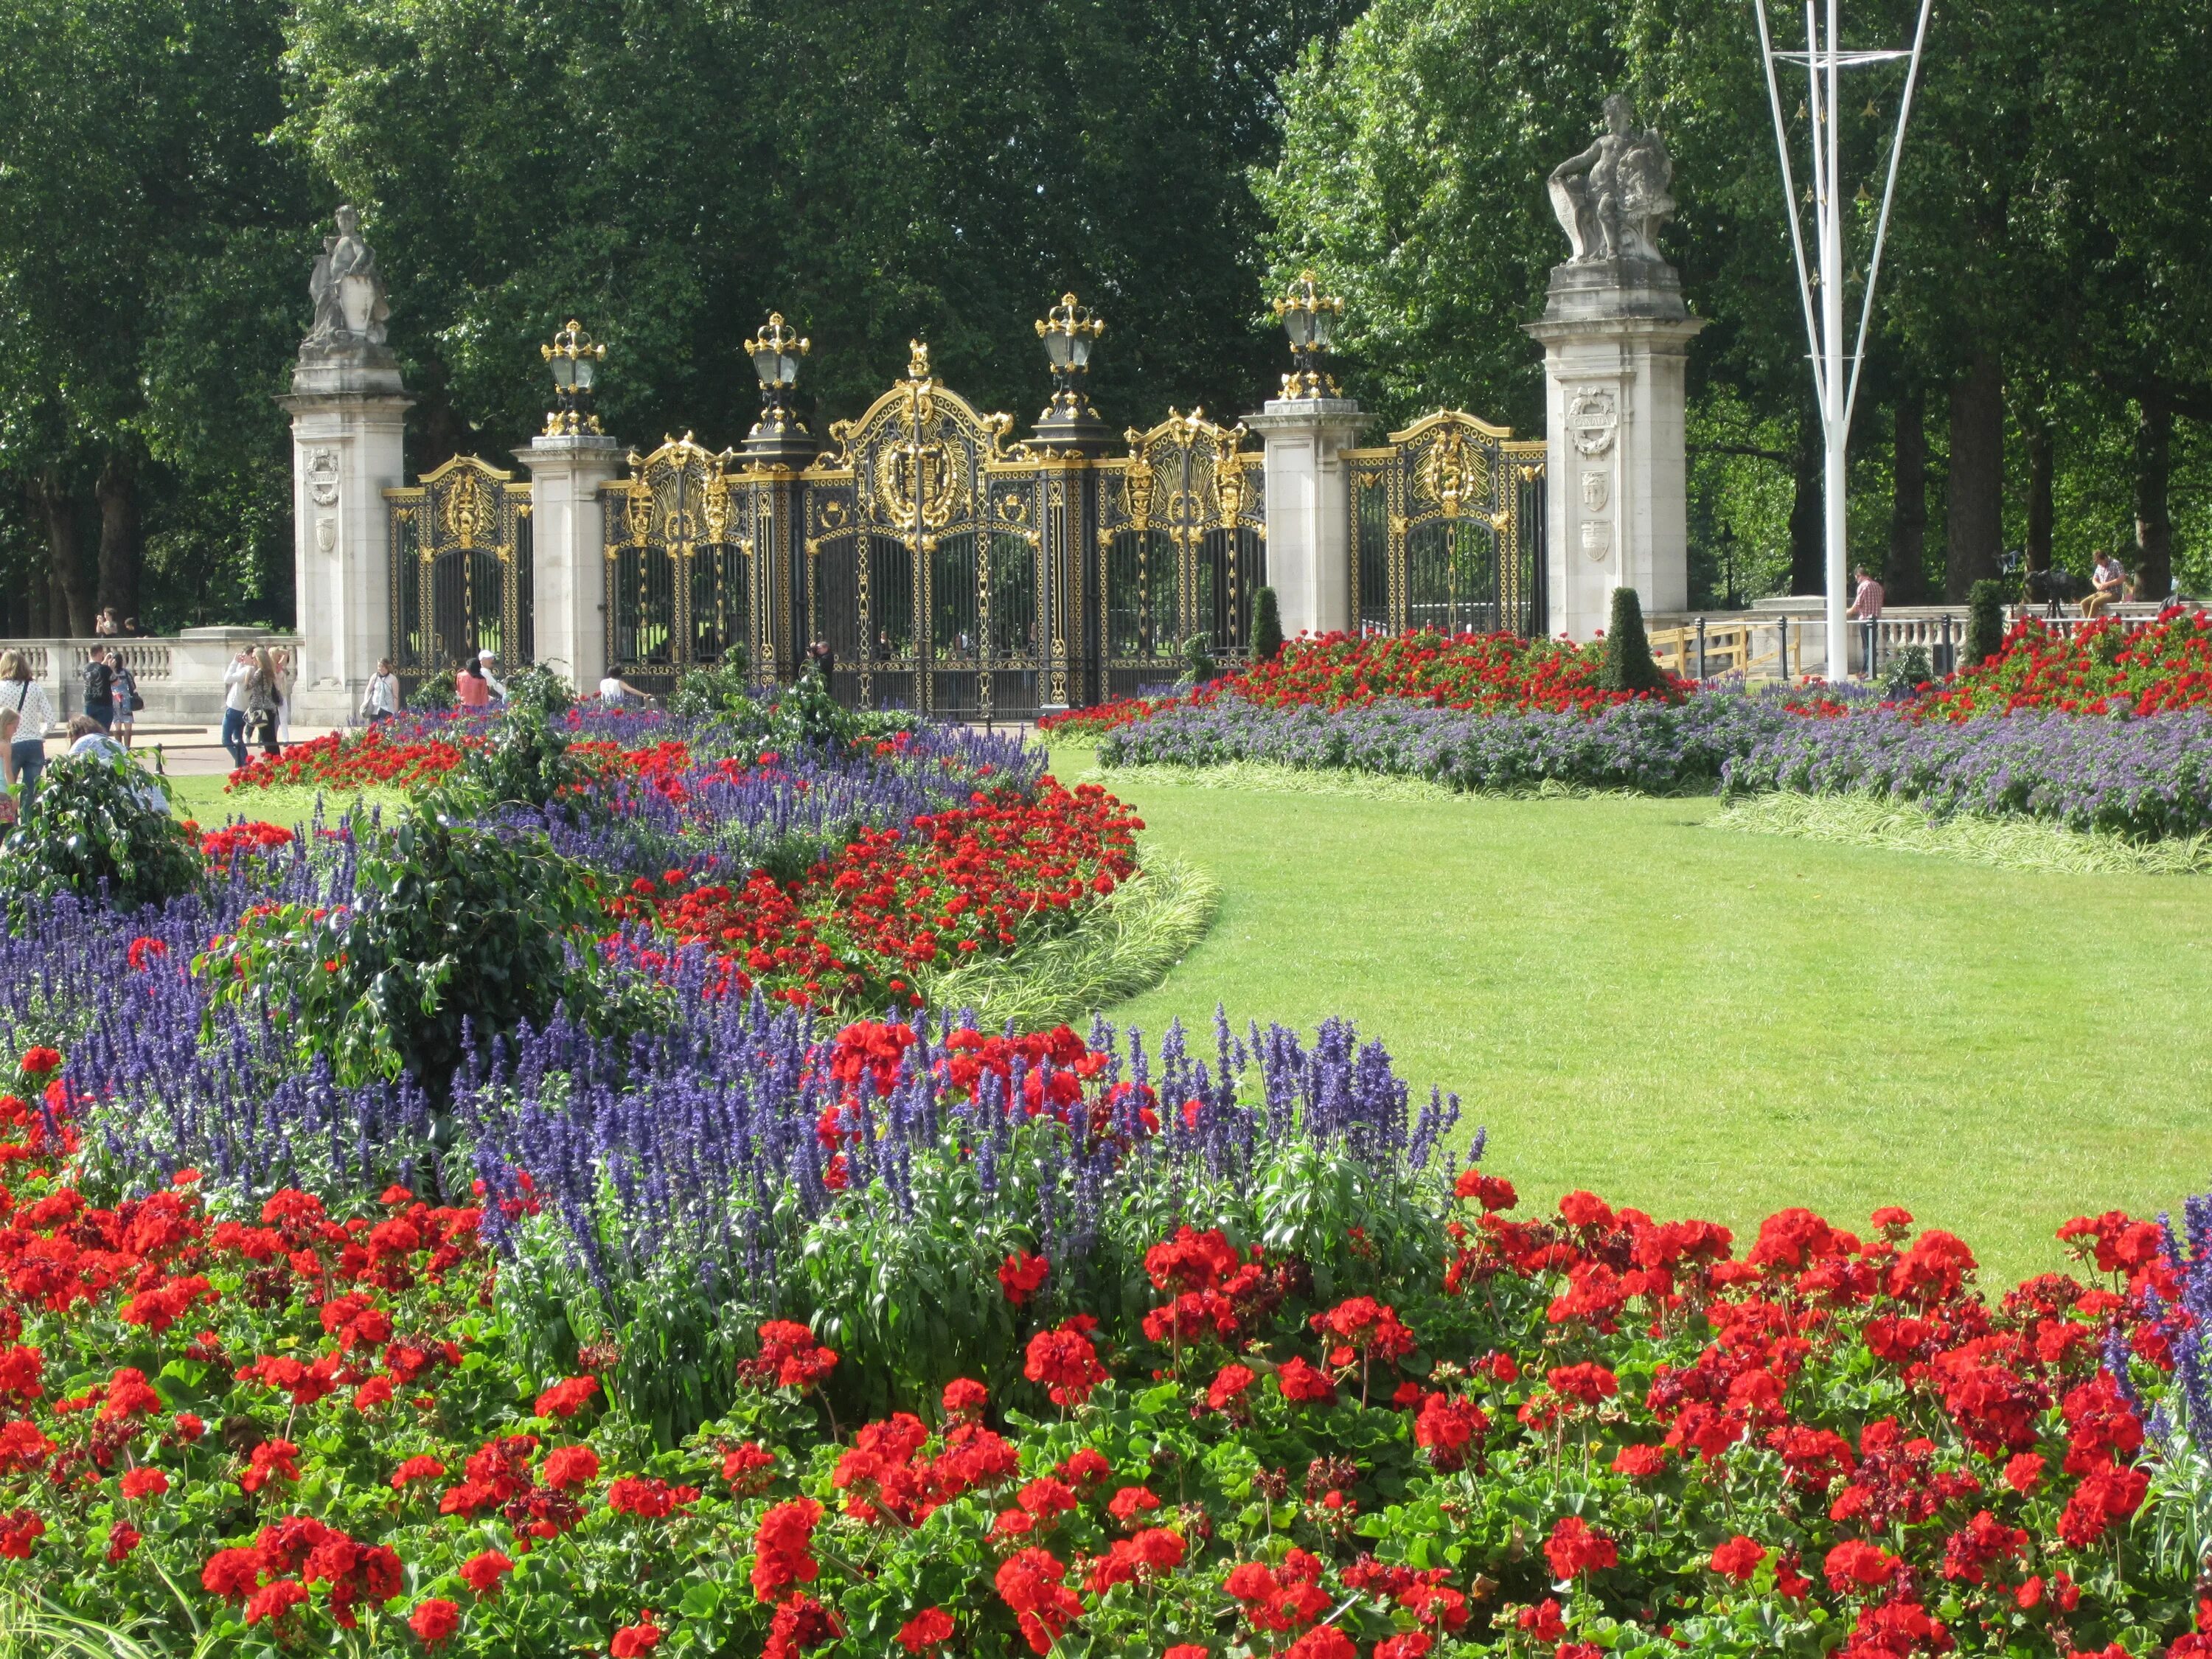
(1835, 389)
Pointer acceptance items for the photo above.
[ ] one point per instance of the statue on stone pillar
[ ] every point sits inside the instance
(350, 303)
(1612, 199)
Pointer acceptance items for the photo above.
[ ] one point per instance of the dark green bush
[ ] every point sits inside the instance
(1267, 626)
(527, 762)
(99, 824)
(725, 687)
(434, 694)
(539, 688)
(1628, 666)
(1907, 671)
(1985, 628)
(1199, 667)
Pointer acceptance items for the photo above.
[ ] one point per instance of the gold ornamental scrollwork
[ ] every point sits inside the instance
(1453, 476)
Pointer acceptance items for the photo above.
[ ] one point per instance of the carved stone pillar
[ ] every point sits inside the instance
(567, 552)
(347, 409)
(1309, 509)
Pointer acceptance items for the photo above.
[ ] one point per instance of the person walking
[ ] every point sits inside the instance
(128, 703)
(264, 702)
(281, 663)
(99, 687)
(233, 705)
(486, 661)
(27, 699)
(382, 697)
(470, 689)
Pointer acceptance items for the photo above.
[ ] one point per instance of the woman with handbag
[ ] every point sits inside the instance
(128, 703)
(27, 699)
(264, 702)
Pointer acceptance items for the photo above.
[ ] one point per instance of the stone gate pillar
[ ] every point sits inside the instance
(1309, 509)
(568, 621)
(1616, 338)
(348, 408)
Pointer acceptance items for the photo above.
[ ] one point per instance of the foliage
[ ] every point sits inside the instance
(524, 760)
(2002, 842)
(451, 930)
(724, 686)
(1906, 671)
(1985, 625)
(539, 688)
(1198, 668)
(2105, 667)
(98, 826)
(1319, 1411)
(435, 695)
(1267, 626)
(1628, 664)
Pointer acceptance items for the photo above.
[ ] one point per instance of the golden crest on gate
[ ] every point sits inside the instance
(467, 511)
(1454, 475)
(918, 485)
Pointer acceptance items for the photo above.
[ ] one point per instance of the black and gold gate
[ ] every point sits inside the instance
(679, 544)
(1448, 530)
(929, 553)
(1181, 542)
(460, 563)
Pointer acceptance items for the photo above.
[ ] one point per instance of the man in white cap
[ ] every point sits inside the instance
(484, 661)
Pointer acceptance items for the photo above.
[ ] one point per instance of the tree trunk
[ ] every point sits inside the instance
(1905, 576)
(118, 494)
(1809, 570)
(2153, 468)
(2038, 493)
(1976, 517)
(68, 594)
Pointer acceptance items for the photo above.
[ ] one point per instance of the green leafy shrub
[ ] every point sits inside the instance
(1199, 667)
(1267, 626)
(527, 762)
(434, 694)
(539, 688)
(99, 822)
(1908, 671)
(725, 687)
(450, 926)
(1985, 628)
(1628, 666)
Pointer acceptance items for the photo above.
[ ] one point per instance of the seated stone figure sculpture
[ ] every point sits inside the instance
(1612, 199)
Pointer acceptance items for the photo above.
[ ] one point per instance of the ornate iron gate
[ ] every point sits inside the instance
(1448, 530)
(679, 548)
(1181, 542)
(460, 563)
(927, 567)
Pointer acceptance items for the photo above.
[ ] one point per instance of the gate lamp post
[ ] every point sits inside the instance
(1309, 317)
(575, 357)
(779, 436)
(1069, 423)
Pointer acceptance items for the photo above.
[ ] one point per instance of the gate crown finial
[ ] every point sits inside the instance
(917, 362)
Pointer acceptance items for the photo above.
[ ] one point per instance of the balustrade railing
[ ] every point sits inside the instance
(1779, 645)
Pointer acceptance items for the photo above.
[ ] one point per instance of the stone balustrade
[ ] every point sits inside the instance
(181, 676)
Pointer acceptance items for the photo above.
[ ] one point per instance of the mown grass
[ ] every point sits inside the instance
(2011, 843)
(201, 798)
(1700, 1022)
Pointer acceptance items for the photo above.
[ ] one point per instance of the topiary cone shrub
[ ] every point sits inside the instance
(1267, 626)
(1985, 628)
(1628, 666)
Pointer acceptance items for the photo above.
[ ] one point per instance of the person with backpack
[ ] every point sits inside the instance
(128, 703)
(98, 688)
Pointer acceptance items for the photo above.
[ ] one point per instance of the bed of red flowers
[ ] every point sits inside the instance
(1488, 673)
(2102, 669)
(309, 1426)
(366, 759)
(861, 929)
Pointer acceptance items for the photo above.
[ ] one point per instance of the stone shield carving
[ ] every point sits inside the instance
(322, 470)
(1597, 537)
(326, 534)
(1593, 416)
(1597, 490)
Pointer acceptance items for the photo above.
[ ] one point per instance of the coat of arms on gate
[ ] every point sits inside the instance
(1454, 474)
(468, 509)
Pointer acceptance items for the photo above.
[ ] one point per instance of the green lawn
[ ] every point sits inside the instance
(201, 797)
(1696, 1021)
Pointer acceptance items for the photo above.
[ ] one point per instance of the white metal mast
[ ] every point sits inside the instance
(1834, 389)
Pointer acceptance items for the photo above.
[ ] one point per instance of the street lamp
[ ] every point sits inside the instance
(1069, 423)
(575, 357)
(779, 434)
(1309, 317)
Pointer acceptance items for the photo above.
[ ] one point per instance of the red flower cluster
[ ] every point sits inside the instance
(2097, 670)
(346, 761)
(1489, 672)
